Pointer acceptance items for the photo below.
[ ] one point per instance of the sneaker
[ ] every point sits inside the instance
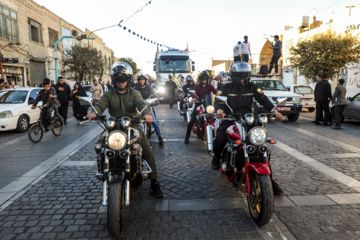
(155, 189)
(186, 141)
(161, 140)
(81, 123)
(277, 189)
(336, 127)
(215, 163)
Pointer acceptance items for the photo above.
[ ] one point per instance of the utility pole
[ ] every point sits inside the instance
(349, 7)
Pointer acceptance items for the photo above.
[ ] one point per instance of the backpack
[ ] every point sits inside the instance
(264, 70)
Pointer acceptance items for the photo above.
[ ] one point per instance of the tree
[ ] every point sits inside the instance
(325, 53)
(83, 63)
(133, 64)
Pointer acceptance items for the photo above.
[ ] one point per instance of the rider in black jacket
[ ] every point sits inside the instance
(188, 86)
(240, 93)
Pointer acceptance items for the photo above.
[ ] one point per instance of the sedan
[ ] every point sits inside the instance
(352, 110)
(15, 108)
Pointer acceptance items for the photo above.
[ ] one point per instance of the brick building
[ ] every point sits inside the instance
(28, 33)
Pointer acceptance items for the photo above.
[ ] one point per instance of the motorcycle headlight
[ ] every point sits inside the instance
(125, 122)
(210, 109)
(257, 136)
(6, 114)
(117, 140)
(249, 118)
(161, 89)
(110, 123)
(190, 99)
(263, 119)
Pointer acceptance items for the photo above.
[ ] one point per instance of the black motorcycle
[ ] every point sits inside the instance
(119, 163)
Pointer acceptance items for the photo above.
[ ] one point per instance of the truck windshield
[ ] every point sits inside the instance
(179, 66)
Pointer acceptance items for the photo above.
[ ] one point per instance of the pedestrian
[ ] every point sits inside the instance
(7, 85)
(339, 98)
(2, 84)
(102, 85)
(321, 119)
(97, 91)
(52, 83)
(171, 90)
(79, 110)
(63, 91)
(245, 49)
(277, 48)
(236, 50)
(182, 82)
(322, 97)
(108, 85)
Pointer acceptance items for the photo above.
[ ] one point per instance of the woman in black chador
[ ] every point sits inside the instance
(79, 110)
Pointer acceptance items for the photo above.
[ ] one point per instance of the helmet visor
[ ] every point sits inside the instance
(241, 75)
(122, 78)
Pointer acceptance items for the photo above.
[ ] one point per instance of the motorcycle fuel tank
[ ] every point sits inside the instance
(233, 133)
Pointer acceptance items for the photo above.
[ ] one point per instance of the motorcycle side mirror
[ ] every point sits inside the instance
(151, 101)
(281, 101)
(224, 99)
(88, 100)
(193, 92)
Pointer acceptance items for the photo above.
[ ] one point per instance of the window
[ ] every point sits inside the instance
(53, 37)
(8, 24)
(35, 31)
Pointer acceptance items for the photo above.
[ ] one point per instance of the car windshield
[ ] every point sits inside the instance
(13, 96)
(86, 88)
(275, 85)
(303, 90)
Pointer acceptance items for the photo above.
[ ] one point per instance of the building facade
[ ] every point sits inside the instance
(28, 33)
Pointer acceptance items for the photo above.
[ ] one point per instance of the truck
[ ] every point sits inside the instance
(172, 62)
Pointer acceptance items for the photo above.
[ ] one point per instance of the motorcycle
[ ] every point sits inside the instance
(187, 106)
(119, 163)
(245, 161)
(148, 127)
(36, 131)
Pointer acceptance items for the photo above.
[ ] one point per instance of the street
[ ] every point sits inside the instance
(49, 190)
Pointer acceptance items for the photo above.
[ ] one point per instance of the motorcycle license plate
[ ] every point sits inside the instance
(284, 108)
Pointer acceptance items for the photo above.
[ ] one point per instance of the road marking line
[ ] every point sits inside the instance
(9, 193)
(346, 180)
(79, 163)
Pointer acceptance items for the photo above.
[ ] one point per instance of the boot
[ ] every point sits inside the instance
(155, 189)
(161, 141)
(186, 141)
(277, 189)
(215, 163)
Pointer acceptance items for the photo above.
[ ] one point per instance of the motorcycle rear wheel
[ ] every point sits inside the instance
(261, 202)
(57, 129)
(115, 208)
(35, 133)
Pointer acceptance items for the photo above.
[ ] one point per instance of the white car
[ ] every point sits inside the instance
(306, 95)
(87, 90)
(15, 108)
(274, 90)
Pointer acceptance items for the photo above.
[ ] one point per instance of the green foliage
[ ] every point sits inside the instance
(325, 53)
(83, 63)
(133, 64)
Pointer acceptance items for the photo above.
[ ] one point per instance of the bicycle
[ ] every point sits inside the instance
(36, 131)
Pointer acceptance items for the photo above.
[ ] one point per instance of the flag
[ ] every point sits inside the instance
(157, 48)
(187, 48)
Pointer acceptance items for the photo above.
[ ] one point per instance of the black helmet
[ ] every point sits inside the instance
(240, 71)
(121, 72)
(142, 76)
(189, 79)
(203, 75)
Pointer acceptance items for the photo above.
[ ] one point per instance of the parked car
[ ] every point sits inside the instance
(275, 89)
(16, 112)
(306, 94)
(352, 110)
(87, 90)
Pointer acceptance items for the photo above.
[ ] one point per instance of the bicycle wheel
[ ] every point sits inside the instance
(35, 133)
(57, 128)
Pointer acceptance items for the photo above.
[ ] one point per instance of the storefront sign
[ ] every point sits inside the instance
(10, 60)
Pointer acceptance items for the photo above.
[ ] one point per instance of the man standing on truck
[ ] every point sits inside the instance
(245, 49)
(276, 54)
(171, 90)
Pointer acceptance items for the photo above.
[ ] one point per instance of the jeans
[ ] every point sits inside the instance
(274, 59)
(155, 125)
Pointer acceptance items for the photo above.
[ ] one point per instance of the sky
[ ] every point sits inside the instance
(210, 28)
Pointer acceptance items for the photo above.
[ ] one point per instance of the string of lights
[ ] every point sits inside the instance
(137, 11)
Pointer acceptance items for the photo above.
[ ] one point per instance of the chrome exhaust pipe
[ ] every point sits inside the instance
(178, 104)
(104, 200)
(209, 139)
(127, 193)
(188, 115)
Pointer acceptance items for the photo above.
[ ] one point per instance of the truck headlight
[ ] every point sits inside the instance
(296, 99)
(117, 140)
(6, 114)
(257, 136)
(161, 89)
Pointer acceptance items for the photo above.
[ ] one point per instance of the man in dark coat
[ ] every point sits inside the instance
(339, 99)
(322, 97)
(63, 93)
(170, 87)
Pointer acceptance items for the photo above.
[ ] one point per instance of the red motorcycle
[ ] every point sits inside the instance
(245, 161)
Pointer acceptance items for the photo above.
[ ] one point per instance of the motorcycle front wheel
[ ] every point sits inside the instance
(35, 133)
(261, 201)
(57, 129)
(115, 209)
